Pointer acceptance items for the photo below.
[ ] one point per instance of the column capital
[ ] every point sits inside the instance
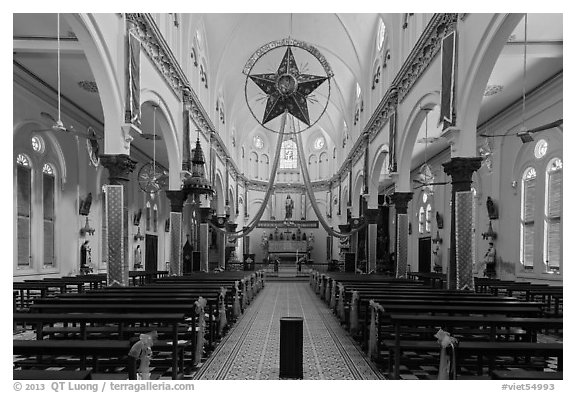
(119, 167)
(400, 201)
(176, 198)
(461, 170)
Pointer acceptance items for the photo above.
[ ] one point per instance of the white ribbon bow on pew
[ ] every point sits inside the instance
(222, 320)
(333, 296)
(236, 307)
(341, 312)
(327, 292)
(142, 350)
(322, 286)
(373, 337)
(243, 282)
(447, 367)
(354, 312)
(199, 308)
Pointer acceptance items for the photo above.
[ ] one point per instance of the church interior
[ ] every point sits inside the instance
(288, 196)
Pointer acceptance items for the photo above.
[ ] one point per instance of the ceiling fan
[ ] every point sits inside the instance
(152, 177)
(425, 178)
(58, 125)
(524, 133)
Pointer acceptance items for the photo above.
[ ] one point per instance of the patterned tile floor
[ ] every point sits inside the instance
(251, 350)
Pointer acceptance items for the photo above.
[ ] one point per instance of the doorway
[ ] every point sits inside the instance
(424, 254)
(151, 253)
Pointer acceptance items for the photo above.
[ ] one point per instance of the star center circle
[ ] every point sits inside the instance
(287, 84)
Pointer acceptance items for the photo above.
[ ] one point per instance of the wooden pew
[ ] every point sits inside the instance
(94, 348)
(50, 375)
(490, 324)
(83, 317)
(526, 375)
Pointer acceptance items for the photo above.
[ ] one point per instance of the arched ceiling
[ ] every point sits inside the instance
(346, 40)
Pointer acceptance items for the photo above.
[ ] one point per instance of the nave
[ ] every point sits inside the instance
(165, 164)
(252, 348)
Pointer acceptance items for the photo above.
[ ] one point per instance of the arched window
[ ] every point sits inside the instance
(323, 163)
(24, 209)
(474, 224)
(428, 218)
(148, 216)
(155, 218)
(313, 166)
(553, 215)
(421, 220)
(265, 167)
(527, 218)
(258, 142)
(288, 155)
(381, 34)
(254, 164)
(48, 191)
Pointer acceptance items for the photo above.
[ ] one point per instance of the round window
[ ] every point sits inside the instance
(319, 143)
(37, 144)
(258, 142)
(541, 148)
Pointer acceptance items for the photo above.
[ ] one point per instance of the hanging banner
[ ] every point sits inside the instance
(448, 70)
(132, 107)
(392, 143)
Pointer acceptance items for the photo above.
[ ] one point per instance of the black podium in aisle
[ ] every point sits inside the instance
(291, 347)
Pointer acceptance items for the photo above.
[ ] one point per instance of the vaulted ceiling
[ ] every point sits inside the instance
(346, 40)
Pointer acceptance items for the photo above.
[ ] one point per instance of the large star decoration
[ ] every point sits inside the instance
(287, 90)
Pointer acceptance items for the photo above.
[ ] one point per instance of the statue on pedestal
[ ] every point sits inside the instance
(289, 207)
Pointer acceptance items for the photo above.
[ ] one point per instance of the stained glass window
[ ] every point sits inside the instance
(48, 200)
(37, 144)
(23, 160)
(155, 218)
(421, 220)
(428, 218)
(148, 216)
(258, 142)
(288, 155)
(47, 169)
(540, 149)
(24, 209)
(553, 215)
(381, 34)
(319, 143)
(527, 218)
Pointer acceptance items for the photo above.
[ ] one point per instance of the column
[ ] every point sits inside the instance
(371, 216)
(119, 168)
(205, 215)
(400, 201)
(459, 274)
(176, 198)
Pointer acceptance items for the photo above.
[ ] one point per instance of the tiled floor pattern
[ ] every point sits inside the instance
(251, 348)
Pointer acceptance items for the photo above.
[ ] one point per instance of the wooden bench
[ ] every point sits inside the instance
(121, 319)
(94, 348)
(527, 375)
(478, 349)
(489, 323)
(50, 375)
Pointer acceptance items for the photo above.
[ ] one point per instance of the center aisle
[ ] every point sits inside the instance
(251, 349)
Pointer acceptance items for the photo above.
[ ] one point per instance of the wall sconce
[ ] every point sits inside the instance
(138, 236)
(489, 235)
(437, 239)
(87, 229)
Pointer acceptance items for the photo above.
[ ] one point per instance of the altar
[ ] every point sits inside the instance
(287, 246)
